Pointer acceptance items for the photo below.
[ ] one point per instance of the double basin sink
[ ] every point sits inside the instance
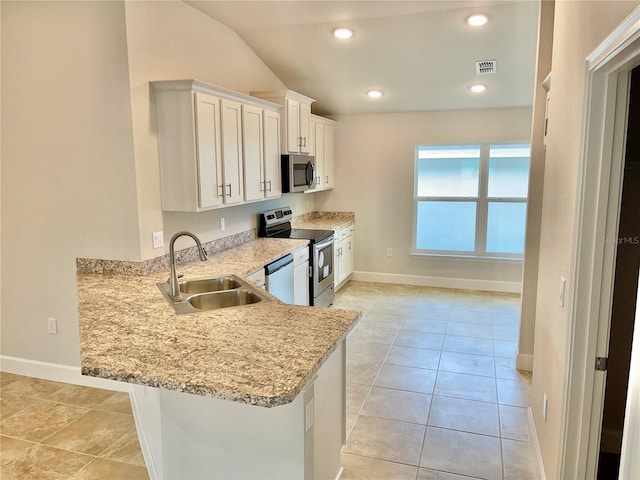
(214, 293)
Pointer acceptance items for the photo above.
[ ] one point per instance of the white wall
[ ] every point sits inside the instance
(79, 172)
(169, 41)
(68, 184)
(374, 169)
(578, 28)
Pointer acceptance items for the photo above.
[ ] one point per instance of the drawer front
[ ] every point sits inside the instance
(301, 255)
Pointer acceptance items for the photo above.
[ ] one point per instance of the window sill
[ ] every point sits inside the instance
(470, 258)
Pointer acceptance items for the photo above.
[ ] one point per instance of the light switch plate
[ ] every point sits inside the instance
(158, 239)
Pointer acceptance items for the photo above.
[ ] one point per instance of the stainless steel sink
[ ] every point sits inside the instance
(205, 285)
(230, 298)
(214, 293)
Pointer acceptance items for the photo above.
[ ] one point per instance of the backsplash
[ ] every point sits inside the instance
(159, 264)
(311, 216)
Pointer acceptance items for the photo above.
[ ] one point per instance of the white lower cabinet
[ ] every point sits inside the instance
(343, 255)
(301, 276)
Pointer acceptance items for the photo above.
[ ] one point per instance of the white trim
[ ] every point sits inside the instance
(524, 361)
(439, 282)
(147, 451)
(58, 373)
(593, 261)
(536, 444)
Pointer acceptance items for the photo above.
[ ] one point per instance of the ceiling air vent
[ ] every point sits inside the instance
(486, 66)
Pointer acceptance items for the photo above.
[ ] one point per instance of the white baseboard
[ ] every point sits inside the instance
(439, 282)
(57, 373)
(536, 444)
(524, 361)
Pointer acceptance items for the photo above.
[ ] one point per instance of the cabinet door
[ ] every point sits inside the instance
(272, 175)
(327, 179)
(337, 234)
(231, 122)
(301, 284)
(293, 126)
(343, 261)
(349, 251)
(252, 146)
(319, 143)
(208, 152)
(303, 121)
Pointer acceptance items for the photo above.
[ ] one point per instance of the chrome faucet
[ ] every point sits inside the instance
(174, 288)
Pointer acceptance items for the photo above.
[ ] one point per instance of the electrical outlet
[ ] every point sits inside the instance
(389, 252)
(545, 406)
(221, 223)
(52, 326)
(563, 284)
(158, 239)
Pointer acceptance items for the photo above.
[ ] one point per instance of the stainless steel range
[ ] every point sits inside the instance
(277, 224)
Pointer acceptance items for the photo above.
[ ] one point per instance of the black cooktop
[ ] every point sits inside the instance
(313, 235)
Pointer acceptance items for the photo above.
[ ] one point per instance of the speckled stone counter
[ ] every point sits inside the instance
(260, 354)
(324, 220)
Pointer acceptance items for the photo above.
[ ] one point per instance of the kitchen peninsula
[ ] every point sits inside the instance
(249, 392)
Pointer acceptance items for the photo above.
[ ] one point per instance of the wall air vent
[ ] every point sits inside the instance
(484, 67)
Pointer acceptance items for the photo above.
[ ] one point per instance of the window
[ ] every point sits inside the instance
(471, 199)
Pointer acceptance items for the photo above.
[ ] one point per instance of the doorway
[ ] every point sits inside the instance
(624, 295)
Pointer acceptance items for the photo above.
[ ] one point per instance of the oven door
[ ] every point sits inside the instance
(322, 265)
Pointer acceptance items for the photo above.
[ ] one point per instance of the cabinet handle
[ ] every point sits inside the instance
(269, 182)
(326, 179)
(300, 141)
(221, 187)
(349, 245)
(305, 141)
(265, 186)
(310, 271)
(229, 185)
(317, 180)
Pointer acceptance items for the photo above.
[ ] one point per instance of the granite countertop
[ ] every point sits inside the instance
(261, 354)
(324, 220)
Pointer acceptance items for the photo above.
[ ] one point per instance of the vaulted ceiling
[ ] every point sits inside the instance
(421, 54)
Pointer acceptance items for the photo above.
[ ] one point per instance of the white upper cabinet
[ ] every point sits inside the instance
(297, 112)
(213, 144)
(322, 147)
(261, 144)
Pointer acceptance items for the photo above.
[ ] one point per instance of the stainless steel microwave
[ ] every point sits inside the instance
(298, 173)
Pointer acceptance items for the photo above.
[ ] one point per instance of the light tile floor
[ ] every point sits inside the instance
(432, 394)
(53, 430)
(432, 390)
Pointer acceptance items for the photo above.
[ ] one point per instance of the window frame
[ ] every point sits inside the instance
(482, 201)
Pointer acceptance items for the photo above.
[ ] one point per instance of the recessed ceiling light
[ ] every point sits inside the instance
(477, 88)
(477, 19)
(374, 93)
(343, 33)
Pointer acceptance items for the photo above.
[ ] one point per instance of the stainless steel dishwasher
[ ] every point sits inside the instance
(279, 278)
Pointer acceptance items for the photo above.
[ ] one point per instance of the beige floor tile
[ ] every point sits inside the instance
(40, 420)
(350, 304)
(514, 392)
(351, 421)
(380, 306)
(464, 415)
(466, 363)
(120, 402)
(6, 378)
(363, 333)
(92, 433)
(514, 423)
(412, 338)
(34, 387)
(426, 474)
(386, 440)
(462, 453)
(81, 396)
(397, 405)
(12, 449)
(11, 403)
(413, 357)
(458, 313)
(433, 310)
(356, 395)
(475, 330)
(469, 387)
(364, 373)
(519, 460)
(473, 346)
(406, 378)
(126, 449)
(382, 320)
(505, 348)
(102, 469)
(429, 325)
(367, 351)
(44, 463)
(364, 468)
(505, 332)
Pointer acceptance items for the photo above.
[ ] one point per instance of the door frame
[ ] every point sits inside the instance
(607, 73)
